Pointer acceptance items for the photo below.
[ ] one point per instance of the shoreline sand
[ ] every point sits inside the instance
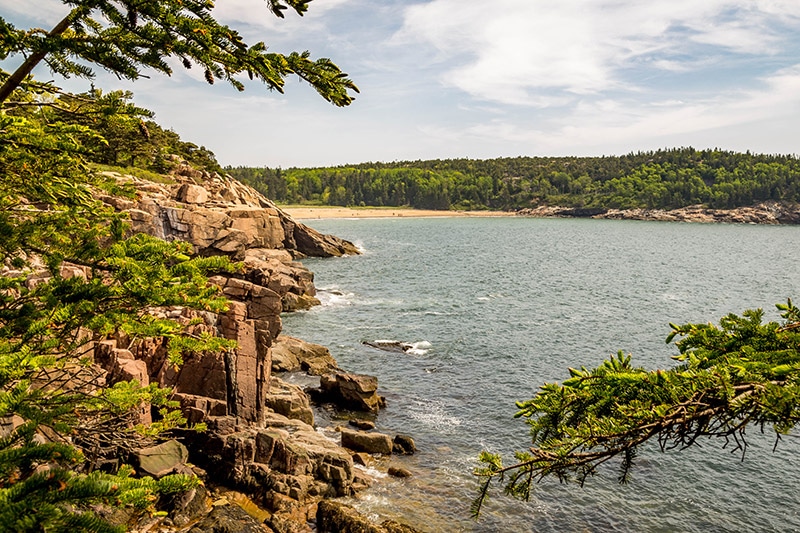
(321, 212)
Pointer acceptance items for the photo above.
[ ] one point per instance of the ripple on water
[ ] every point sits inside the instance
(508, 304)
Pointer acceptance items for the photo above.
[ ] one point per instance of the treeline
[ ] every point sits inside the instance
(665, 179)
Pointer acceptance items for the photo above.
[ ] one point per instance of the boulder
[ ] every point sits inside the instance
(403, 445)
(361, 441)
(160, 460)
(398, 471)
(229, 518)
(290, 354)
(192, 194)
(289, 400)
(351, 391)
(186, 507)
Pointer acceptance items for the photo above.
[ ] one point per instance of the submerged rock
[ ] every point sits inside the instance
(403, 445)
(398, 471)
(389, 346)
(337, 517)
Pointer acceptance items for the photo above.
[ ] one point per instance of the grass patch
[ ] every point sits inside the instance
(140, 173)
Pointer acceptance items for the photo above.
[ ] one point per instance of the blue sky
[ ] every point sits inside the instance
(468, 78)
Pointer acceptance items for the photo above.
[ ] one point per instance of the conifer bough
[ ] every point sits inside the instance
(742, 373)
(126, 36)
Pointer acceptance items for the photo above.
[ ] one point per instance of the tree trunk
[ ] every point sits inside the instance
(34, 59)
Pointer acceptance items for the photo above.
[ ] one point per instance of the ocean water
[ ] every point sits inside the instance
(494, 307)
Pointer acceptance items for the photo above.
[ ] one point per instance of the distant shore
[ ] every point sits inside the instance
(760, 213)
(319, 212)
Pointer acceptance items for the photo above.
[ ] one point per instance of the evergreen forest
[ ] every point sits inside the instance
(662, 179)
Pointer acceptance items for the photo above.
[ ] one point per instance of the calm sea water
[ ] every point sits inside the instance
(497, 306)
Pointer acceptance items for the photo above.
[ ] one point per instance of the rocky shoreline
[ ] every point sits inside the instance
(762, 213)
(264, 463)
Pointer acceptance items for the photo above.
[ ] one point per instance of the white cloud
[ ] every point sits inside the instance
(518, 47)
(49, 12)
(253, 14)
(619, 123)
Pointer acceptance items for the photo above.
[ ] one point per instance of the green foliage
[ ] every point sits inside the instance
(117, 132)
(742, 372)
(73, 274)
(664, 179)
(126, 37)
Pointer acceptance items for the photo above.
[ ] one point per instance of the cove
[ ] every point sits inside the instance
(495, 307)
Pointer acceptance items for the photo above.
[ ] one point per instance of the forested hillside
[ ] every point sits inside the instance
(662, 179)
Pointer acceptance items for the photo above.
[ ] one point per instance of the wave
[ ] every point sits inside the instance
(433, 414)
(371, 471)
(419, 348)
(334, 297)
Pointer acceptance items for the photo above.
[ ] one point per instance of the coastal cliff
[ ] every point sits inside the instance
(261, 452)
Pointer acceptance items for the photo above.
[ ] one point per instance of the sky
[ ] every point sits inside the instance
(467, 78)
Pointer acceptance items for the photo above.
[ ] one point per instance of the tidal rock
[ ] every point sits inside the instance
(360, 423)
(310, 242)
(337, 517)
(289, 400)
(229, 519)
(761, 213)
(389, 346)
(362, 458)
(398, 471)
(352, 391)
(290, 354)
(361, 441)
(403, 445)
(298, 302)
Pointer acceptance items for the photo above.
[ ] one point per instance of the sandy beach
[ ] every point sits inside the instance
(304, 213)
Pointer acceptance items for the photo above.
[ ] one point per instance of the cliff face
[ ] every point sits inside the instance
(220, 216)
